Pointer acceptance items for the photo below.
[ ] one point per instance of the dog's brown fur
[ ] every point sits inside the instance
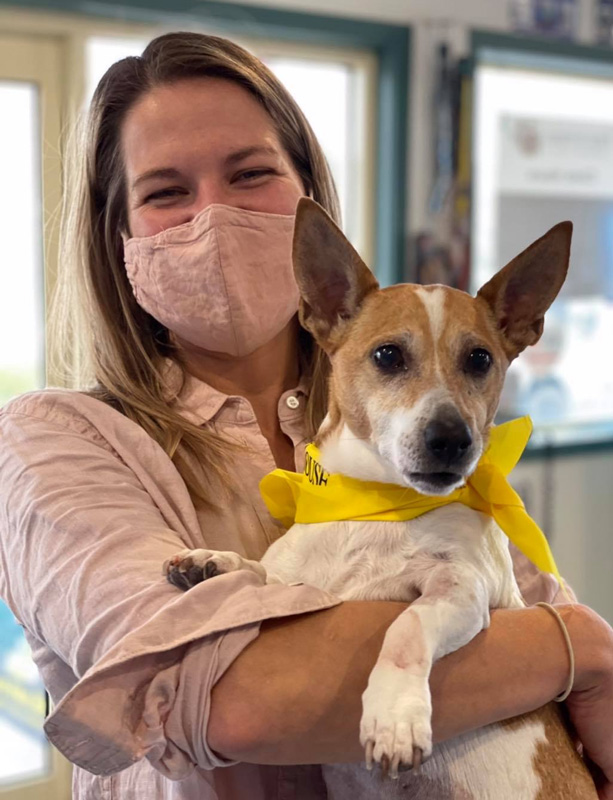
(557, 761)
(349, 316)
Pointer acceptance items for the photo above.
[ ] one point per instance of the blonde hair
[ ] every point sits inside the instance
(119, 351)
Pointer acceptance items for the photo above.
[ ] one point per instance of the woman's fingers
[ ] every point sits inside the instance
(590, 705)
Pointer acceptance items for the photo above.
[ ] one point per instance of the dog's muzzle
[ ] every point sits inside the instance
(446, 453)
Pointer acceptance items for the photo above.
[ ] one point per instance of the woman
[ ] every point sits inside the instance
(180, 226)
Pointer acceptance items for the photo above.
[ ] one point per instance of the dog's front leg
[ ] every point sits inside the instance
(396, 727)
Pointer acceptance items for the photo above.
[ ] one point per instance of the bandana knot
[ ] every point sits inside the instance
(319, 496)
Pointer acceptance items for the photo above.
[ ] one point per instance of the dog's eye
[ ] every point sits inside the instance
(389, 358)
(479, 361)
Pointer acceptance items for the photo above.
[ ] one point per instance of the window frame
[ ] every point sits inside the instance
(44, 71)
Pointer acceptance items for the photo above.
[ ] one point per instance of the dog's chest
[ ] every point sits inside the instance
(391, 560)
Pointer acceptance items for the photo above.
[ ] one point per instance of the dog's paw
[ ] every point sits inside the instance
(189, 567)
(396, 726)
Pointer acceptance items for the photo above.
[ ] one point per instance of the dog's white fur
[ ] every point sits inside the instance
(492, 763)
(452, 565)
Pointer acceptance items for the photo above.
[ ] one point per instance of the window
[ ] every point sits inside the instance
(21, 247)
(25, 754)
(29, 97)
(543, 145)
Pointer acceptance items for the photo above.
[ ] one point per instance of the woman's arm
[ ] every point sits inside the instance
(294, 695)
(86, 523)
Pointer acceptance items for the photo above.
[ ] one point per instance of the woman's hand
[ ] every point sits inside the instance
(591, 703)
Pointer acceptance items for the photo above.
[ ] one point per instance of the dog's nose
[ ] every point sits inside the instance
(447, 438)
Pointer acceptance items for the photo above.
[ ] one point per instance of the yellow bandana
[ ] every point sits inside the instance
(318, 496)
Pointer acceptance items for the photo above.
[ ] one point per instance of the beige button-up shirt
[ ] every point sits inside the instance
(90, 508)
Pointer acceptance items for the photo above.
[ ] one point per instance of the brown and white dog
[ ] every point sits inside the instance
(417, 374)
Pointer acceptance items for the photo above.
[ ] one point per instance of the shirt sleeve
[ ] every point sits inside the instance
(84, 532)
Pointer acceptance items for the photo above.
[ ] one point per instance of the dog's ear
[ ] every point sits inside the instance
(332, 278)
(520, 294)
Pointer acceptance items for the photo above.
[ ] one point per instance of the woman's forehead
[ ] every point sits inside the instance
(209, 115)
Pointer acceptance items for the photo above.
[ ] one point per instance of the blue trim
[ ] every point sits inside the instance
(567, 450)
(390, 43)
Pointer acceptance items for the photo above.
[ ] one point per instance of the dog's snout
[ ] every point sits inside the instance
(448, 438)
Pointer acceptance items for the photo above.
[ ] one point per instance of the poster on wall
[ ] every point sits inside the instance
(553, 18)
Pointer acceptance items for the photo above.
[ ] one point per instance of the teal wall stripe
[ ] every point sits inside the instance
(390, 43)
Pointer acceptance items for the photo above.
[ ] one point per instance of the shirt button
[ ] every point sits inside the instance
(292, 402)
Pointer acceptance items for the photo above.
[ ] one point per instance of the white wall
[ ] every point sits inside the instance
(489, 13)
(572, 496)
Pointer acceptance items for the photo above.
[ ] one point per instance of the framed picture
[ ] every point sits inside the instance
(554, 18)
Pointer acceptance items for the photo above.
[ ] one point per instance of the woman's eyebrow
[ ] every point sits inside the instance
(255, 150)
(162, 172)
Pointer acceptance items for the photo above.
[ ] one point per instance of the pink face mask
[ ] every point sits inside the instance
(223, 281)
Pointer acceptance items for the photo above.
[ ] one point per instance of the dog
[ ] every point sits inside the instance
(417, 373)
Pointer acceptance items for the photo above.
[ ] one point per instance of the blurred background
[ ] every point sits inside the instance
(458, 132)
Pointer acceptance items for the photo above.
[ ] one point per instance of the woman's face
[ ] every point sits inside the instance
(196, 142)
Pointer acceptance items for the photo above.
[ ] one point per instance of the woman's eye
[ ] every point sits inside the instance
(163, 194)
(479, 361)
(389, 358)
(253, 174)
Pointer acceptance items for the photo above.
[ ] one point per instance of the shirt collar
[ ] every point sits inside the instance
(200, 403)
